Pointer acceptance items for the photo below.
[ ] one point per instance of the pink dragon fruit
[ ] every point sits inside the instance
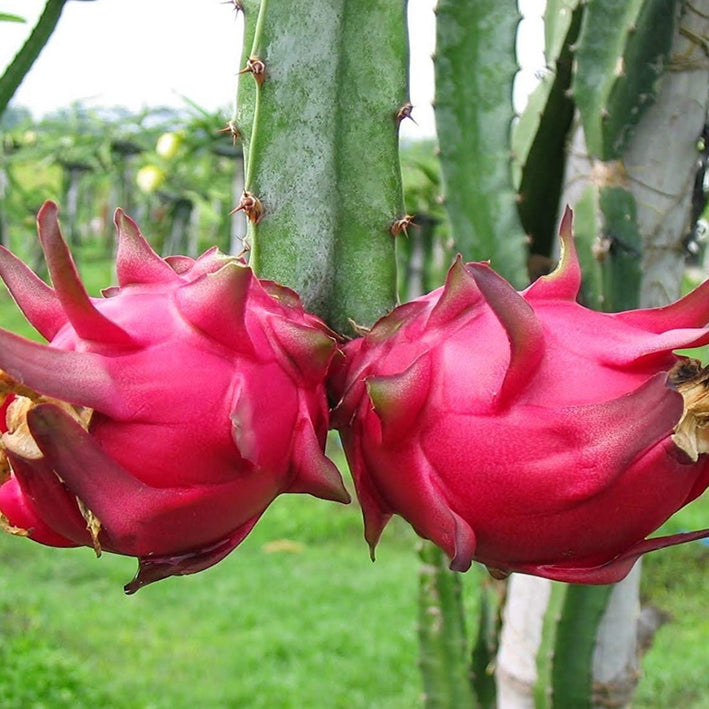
(523, 430)
(161, 421)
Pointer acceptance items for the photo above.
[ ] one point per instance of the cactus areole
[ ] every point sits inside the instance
(159, 421)
(523, 430)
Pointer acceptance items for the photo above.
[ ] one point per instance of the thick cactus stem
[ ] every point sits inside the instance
(575, 642)
(622, 51)
(540, 136)
(621, 54)
(242, 124)
(442, 638)
(323, 152)
(474, 115)
(486, 643)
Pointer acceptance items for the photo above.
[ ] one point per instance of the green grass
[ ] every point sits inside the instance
(674, 670)
(315, 624)
(96, 274)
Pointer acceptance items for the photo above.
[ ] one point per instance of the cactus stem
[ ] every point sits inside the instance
(251, 206)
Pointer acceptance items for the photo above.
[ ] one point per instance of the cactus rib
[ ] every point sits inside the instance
(475, 67)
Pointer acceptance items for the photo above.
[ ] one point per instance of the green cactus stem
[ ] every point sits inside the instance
(323, 182)
(546, 653)
(539, 139)
(486, 644)
(575, 642)
(619, 248)
(25, 58)
(609, 240)
(475, 67)
(444, 660)
(241, 125)
(558, 17)
(621, 55)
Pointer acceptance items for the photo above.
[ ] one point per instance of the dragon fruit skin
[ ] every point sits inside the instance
(522, 430)
(174, 410)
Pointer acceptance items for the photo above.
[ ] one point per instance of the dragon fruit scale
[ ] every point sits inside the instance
(524, 431)
(160, 421)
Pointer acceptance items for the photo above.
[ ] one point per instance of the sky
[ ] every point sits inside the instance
(140, 53)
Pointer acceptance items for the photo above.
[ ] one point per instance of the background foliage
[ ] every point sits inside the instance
(326, 633)
(300, 616)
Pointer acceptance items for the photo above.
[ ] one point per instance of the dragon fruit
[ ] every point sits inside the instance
(160, 421)
(524, 431)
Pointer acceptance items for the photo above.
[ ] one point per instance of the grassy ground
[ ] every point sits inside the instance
(297, 617)
(674, 581)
